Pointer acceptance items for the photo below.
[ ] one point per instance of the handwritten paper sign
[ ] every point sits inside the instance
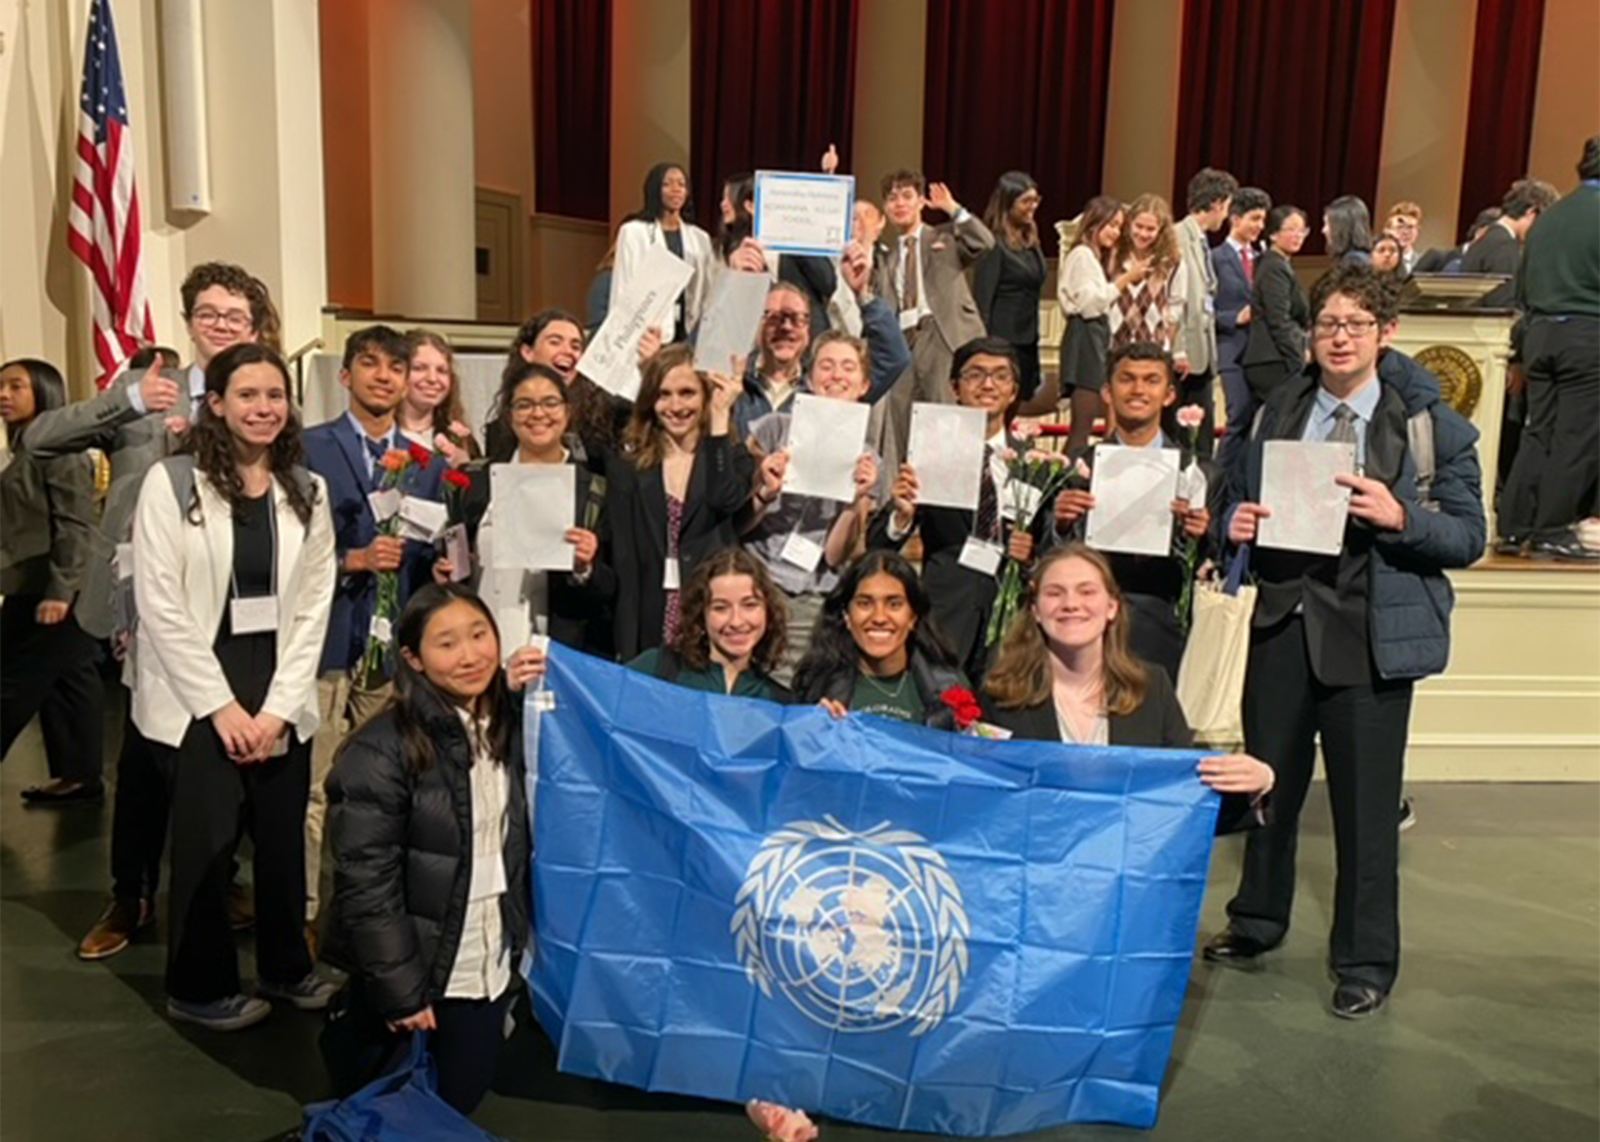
(611, 360)
(804, 213)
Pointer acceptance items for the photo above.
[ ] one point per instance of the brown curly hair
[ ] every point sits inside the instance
(211, 444)
(236, 279)
(693, 644)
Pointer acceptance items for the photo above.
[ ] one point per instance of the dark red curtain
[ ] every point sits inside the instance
(773, 84)
(1285, 96)
(1017, 85)
(572, 107)
(1505, 70)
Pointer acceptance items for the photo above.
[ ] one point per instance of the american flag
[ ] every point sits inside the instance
(104, 227)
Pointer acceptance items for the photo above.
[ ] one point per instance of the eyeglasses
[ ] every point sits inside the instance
(1001, 375)
(781, 317)
(526, 407)
(1326, 327)
(235, 319)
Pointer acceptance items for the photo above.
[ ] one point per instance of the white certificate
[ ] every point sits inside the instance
(1308, 508)
(804, 213)
(612, 358)
(533, 506)
(826, 438)
(1133, 492)
(731, 321)
(946, 449)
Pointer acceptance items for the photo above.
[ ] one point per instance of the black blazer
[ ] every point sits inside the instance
(1023, 269)
(636, 519)
(580, 613)
(1496, 252)
(1280, 316)
(1157, 723)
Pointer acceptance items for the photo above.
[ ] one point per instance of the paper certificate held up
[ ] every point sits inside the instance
(1308, 508)
(533, 509)
(946, 449)
(804, 213)
(826, 438)
(1133, 492)
(731, 321)
(611, 361)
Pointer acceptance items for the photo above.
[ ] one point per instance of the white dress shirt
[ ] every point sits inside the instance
(483, 958)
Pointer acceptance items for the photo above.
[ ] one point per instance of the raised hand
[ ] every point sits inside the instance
(940, 199)
(158, 392)
(904, 496)
(830, 159)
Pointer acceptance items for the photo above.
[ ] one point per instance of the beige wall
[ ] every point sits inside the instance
(1566, 108)
(502, 99)
(890, 67)
(1425, 114)
(1142, 103)
(649, 95)
(266, 196)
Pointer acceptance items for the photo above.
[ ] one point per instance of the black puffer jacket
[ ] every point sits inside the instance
(402, 850)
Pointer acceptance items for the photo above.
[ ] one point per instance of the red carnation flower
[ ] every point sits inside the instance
(456, 478)
(421, 456)
(964, 704)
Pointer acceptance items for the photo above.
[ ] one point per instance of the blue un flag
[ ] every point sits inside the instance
(883, 923)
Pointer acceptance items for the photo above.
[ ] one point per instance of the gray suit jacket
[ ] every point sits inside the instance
(1197, 327)
(946, 250)
(46, 525)
(133, 443)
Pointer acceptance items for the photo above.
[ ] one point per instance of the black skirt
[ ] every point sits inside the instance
(1083, 353)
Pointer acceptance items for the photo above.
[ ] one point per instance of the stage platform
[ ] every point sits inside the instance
(1521, 698)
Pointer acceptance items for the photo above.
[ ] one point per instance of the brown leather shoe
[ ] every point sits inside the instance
(114, 929)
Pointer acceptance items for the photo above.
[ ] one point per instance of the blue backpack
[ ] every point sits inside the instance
(402, 1107)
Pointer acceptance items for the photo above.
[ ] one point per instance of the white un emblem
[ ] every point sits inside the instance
(861, 931)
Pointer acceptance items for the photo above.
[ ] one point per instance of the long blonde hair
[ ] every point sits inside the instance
(1164, 250)
(1020, 676)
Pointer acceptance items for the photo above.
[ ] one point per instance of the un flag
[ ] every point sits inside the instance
(883, 923)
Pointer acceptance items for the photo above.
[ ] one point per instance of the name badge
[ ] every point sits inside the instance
(804, 553)
(256, 614)
(124, 561)
(669, 575)
(981, 556)
(909, 318)
(1209, 304)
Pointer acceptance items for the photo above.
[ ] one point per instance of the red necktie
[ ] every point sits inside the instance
(1247, 256)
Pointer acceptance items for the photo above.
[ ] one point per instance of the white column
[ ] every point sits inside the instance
(423, 212)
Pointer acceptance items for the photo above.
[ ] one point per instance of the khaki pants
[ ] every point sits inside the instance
(345, 707)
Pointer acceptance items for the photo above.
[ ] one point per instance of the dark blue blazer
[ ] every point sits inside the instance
(335, 452)
(1233, 294)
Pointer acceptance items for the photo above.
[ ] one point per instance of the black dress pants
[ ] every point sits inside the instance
(138, 817)
(52, 671)
(358, 1047)
(1553, 481)
(1363, 731)
(213, 800)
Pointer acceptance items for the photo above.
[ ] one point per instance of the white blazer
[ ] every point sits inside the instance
(637, 236)
(180, 584)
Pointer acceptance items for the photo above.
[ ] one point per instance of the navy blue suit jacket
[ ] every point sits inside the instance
(1233, 294)
(335, 451)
